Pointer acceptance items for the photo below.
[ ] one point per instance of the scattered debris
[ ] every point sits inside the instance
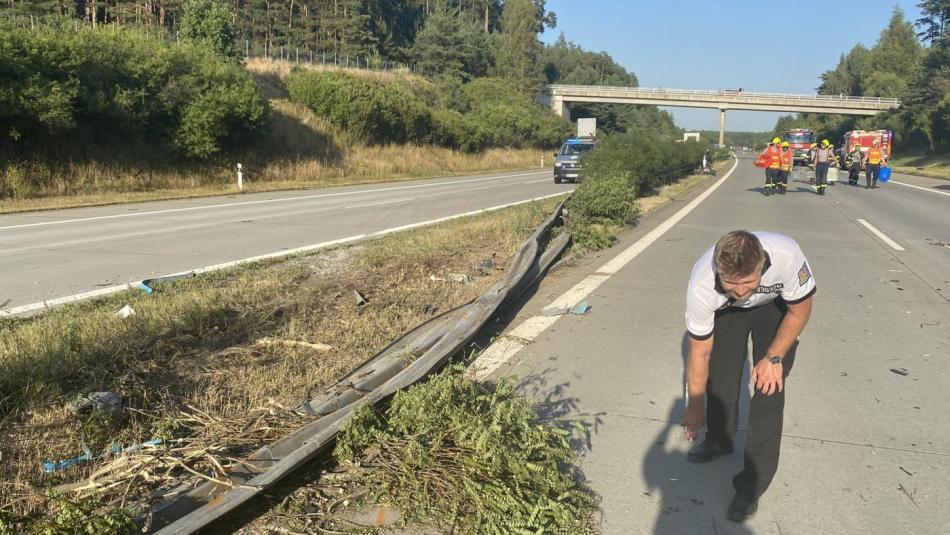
(938, 243)
(909, 495)
(437, 279)
(298, 343)
(581, 309)
(429, 310)
(463, 278)
(108, 402)
(900, 371)
(148, 285)
(488, 264)
(54, 466)
(125, 311)
(360, 299)
(554, 311)
(905, 470)
(930, 325)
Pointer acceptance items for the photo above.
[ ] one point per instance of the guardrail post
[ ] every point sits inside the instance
(240, 178)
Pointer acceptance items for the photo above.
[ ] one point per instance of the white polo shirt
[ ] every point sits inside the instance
(786, 274)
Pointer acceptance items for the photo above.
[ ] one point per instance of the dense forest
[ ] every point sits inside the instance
(909, 61)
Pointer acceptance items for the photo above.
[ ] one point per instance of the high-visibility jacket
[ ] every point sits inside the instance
(775, 157)
(874, 155)
(787, 158)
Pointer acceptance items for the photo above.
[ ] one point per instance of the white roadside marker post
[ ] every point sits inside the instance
(240, 178)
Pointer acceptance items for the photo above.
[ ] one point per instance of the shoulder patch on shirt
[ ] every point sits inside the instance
(804, 274)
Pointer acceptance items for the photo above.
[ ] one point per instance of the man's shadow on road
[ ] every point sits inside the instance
(692, 498)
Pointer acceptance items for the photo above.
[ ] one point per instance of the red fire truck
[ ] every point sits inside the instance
(866, 138)
(800, 140)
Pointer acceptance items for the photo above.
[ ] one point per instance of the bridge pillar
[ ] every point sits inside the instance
(722, 127)
(559, 107)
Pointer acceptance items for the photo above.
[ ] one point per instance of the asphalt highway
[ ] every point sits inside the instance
(53, 254)
(865, 449)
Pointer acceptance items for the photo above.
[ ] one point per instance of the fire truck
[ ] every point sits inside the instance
(866, 138)
(800, 140)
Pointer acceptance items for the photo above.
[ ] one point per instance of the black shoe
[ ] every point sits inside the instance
(741, 509)
(768, 191)
(867, 187)
(705, 452)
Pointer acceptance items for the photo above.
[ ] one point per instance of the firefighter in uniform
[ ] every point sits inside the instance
(811, 157)
(785, 167)
(874, 162)
(757, 283)
(823, 158)
(854, 160)
(774, 155)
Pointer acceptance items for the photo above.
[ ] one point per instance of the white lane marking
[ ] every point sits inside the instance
(536, 181)
(919, 187)
(894, 245)
(42, 305)
(502, 349)
(263, 201)
(379, 203)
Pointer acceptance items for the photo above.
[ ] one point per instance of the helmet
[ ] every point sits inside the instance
(824, 142)
(776, 140)
(785, 144)
(813, 145)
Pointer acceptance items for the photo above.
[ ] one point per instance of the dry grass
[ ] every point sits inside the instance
(191, 363)
(933, 166)
(676, 190)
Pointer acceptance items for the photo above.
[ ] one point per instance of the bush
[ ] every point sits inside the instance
(470, 456)
(372, 111)
(618, 171)
(79, 91)
(645, 163)
(472, 117)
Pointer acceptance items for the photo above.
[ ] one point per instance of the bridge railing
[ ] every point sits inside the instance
(630, 91)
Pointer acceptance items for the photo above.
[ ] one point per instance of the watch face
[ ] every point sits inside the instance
(775, 359)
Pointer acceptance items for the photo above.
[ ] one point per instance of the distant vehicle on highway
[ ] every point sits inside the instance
(566, 161)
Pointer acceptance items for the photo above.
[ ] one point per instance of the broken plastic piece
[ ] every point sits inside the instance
(360, 299)
(554, 311)
(900, 371)
(581, 309)
(125, 311)
(461, 277)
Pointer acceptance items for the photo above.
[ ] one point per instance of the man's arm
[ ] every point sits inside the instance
(697, 373)
(768, 377)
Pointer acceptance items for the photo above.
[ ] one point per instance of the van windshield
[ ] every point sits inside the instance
(575, 148)
(797, 138)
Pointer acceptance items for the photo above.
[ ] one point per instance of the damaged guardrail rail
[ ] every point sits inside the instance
(421, 352)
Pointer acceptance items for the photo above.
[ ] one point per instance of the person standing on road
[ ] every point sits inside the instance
(854, 160)
(773, 154)
(823, 158)
(785, 167)
(757, 283)
(873, 167)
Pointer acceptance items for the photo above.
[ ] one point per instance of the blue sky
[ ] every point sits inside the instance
(779, 47)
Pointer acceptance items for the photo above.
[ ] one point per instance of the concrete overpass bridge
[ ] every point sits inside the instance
(559, 97)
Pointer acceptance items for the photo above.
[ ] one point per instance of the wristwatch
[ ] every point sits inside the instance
(775, 359)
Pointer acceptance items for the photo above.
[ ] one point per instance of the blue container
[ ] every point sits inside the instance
(885, 174)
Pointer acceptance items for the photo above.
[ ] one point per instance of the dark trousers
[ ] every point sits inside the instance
(783, 178)
(871, 172)
(853, 172)
(764, 436)
(771, 177)
(821, 173)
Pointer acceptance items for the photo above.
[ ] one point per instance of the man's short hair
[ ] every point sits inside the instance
(738, 254)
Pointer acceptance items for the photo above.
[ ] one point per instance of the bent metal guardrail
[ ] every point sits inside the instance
(413, 357)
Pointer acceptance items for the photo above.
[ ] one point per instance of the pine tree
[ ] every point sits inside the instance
(438, 46)
(519, 48)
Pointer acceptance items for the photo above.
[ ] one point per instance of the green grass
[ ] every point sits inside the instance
(933, 165)
(228, 343)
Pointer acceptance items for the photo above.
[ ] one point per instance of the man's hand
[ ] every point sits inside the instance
(693, 418)
(767, 377)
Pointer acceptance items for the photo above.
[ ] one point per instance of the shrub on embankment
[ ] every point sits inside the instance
(472, 117)
(113, 93)
(618, 171)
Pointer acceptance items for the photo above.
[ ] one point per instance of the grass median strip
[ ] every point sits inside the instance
(214, 364)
